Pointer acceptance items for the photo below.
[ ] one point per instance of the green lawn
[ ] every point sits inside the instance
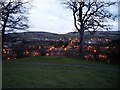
(58, 72)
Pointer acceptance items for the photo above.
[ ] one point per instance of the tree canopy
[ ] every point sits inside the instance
(14, 15)
(90, 15)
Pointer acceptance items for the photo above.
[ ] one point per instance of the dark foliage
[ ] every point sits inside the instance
(114, 51)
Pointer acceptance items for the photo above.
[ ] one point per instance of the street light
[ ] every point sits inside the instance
(94, 51)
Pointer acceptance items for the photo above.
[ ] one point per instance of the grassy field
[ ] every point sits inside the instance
(59, 72)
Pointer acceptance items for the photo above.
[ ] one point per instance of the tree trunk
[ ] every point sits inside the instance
(3, 29)
(81, 32)
(81, 54)
(3, 32)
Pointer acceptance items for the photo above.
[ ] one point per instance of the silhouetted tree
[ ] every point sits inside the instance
(114, 51)
(89, 15)
(13, 15)
(43, 51)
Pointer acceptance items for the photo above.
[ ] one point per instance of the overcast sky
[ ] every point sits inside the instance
(52, 16)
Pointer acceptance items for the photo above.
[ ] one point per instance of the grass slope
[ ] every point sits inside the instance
(58, 72)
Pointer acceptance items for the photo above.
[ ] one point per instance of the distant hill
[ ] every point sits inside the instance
(48, 35)
(111, 34)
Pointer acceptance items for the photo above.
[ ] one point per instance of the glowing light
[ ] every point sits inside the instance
(39, 47)
(46, 39)
(27, 52)
(70, 39)
(8, 58)
(50, 49)
(107, 40)
(99, 39)
(4, 51)
(102, 56)
(71, 43)
(35, 53)
(47, 54)
(65, 49)
(89, 42)
(89, 47)
(94, 51)
(60, 39)
(76, 39)
(107, 47)
(53, 47)
(86, 57)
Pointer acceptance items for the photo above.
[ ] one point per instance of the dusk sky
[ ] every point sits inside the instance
(52, 16)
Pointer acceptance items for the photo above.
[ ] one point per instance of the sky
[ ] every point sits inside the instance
(52, 16)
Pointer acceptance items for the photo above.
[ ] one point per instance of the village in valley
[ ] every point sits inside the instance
(29, 44)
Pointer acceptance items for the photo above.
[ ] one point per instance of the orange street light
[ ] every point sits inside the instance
(94, 51)
(65, 49)
(8, 58)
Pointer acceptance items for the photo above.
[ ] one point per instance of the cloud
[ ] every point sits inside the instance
(51, 16)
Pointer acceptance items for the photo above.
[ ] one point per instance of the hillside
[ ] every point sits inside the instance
(54, 36)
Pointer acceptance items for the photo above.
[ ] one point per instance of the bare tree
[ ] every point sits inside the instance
(13, 15)
(89, 15)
